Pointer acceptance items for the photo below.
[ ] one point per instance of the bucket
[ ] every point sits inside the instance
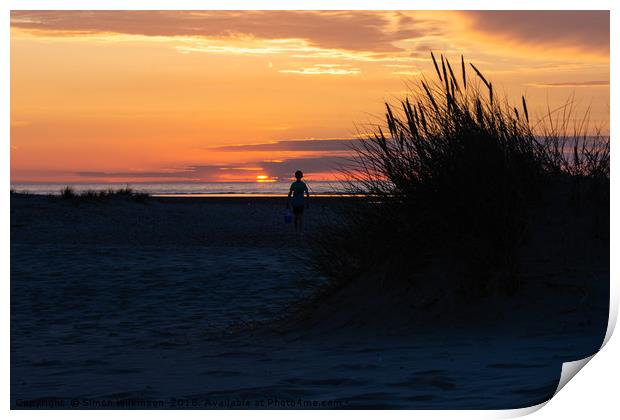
(288, 217)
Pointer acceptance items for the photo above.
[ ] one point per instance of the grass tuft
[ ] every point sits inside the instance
(67, 193)
(458, 174)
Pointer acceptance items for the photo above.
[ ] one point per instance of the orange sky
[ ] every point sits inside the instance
(215, 96)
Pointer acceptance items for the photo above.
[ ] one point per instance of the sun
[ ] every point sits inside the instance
(264, 178)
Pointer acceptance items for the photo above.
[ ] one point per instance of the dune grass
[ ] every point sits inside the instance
(456, 170)
(15, 192)
(68, 193)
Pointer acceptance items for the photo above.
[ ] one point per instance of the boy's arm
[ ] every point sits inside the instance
(288, 199)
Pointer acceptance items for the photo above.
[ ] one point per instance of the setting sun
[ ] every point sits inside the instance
(264, 178)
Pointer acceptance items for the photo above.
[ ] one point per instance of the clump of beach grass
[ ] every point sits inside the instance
(68, 193)
(17, 193)
(455, 170)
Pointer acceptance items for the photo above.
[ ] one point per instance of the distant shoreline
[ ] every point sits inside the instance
(252, 189)
(247, 195)
(212, 195)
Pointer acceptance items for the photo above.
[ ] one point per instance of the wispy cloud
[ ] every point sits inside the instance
(593, 83)
(309, 165)
(346, 36)
(347, 30)
(399, 66)
(587, 30)
(185, 173)
(361, 56)
(407, 73)
(276, 169)
(327, 157)
(304, 145)
(292, 48)
(250, 46)
(323, 70)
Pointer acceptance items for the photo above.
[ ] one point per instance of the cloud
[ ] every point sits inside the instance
(282, 169)
(308, 165)
(309, 145)
(587, 30)
(295, 48)
(185, 173)
(594, 83)
(328, 156)
(407, 73)
(323, 70)
(347, 30)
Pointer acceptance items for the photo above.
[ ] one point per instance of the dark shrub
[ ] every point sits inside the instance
(453, 170)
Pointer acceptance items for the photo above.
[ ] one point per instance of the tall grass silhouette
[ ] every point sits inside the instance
(455, 170)
(68, 193)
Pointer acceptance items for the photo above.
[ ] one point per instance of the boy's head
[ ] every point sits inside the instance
(299, 175)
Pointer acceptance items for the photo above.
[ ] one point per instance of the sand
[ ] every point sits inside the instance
(186, 303)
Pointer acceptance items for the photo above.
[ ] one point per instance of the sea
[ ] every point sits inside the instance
(187, 189)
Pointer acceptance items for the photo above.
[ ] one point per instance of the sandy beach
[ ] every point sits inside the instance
(186, 303)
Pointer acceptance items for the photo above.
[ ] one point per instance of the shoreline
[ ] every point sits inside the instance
(247, 195)
(334, 195)
(326, 188)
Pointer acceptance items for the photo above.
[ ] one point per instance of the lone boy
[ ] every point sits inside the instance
(298, 188)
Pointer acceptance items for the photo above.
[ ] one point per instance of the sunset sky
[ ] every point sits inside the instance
(140, 96)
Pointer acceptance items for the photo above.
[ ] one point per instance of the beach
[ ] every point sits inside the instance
(193, 303)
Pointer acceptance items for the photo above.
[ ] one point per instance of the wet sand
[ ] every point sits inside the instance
(178, 303)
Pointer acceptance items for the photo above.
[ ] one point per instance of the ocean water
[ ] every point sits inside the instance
(187, 189)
